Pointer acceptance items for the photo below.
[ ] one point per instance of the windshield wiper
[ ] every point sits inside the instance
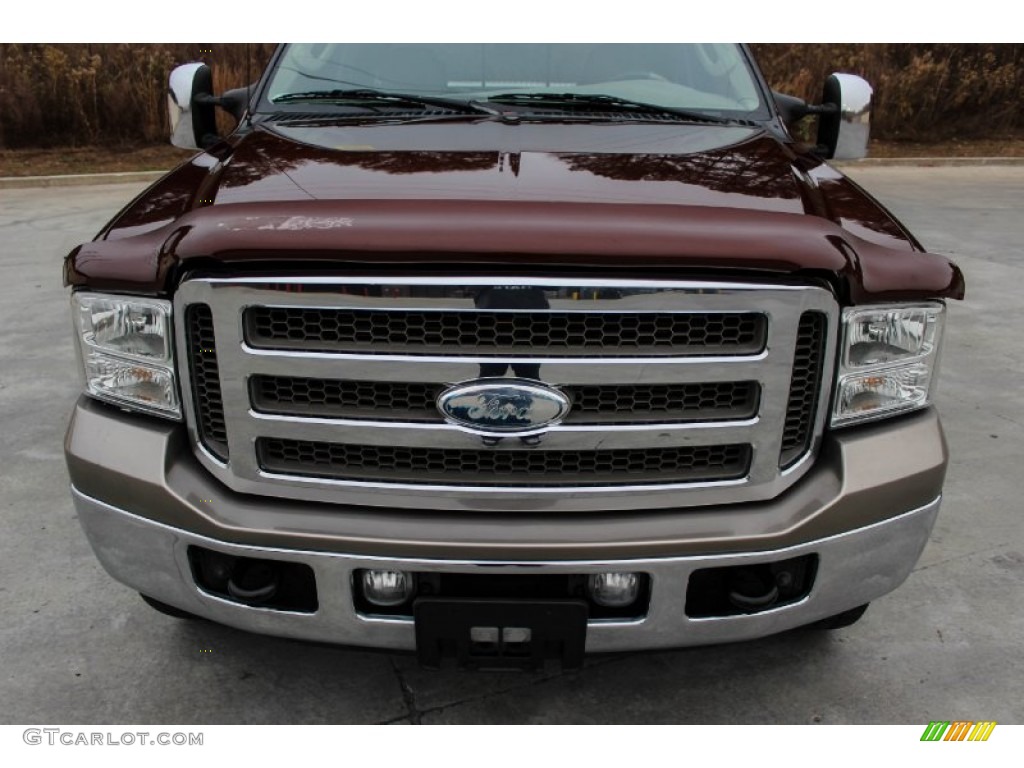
(611, 103)
(372, 94)
(474, 107)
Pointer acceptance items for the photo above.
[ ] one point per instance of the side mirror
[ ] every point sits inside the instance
(791, 108)
(190, 107)
(843, 130)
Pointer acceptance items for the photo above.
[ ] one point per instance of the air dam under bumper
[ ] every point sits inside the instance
(854, 568)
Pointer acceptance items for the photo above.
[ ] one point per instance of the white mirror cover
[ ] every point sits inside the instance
(179, 105)
(854, 117)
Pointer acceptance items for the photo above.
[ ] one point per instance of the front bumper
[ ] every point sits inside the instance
(854, 568)
(865, 509)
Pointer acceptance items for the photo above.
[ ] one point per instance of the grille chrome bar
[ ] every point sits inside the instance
(557, 372)
(769, 367)
(562, 436)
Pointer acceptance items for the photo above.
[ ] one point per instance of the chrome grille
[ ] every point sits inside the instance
(721, 408)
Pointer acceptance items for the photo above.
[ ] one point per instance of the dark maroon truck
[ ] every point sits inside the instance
(504, 353)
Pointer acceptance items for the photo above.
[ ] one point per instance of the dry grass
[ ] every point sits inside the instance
(1009, 147)
(63, 160)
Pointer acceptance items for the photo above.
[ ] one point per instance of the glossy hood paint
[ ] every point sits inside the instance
(527, 197)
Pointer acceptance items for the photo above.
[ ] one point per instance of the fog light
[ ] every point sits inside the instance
(613, 590)
(387, 588)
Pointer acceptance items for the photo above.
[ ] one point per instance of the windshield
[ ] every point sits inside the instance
(713, 79)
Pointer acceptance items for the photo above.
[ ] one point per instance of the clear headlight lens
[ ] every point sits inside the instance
(125, 326)
(126, 351)
(878, 336)
(888, 363)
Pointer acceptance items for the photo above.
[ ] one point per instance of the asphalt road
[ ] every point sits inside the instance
(75, 647)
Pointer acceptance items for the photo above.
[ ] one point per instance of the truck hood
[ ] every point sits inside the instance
(606, 196)
(720, 166)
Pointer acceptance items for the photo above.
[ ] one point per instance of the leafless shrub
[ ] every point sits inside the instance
(103, 94)
(922, 92)
(113, 94)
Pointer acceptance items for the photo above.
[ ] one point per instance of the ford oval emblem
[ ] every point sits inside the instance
(503, 406)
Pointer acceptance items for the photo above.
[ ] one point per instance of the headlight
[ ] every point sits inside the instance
(888, 363)
(126, 352)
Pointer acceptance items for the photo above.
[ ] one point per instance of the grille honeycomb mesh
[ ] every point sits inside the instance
(804, 387)
(206, 381)
(489, 333)
(498, 466)
(595, 404)
(663, 402)
(377, 400)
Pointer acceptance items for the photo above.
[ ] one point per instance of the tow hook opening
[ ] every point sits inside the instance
(256, 582)
(747, 589)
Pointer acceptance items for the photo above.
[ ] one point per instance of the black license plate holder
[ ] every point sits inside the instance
(500, 634)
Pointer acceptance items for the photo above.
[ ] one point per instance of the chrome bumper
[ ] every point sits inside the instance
(854, 568)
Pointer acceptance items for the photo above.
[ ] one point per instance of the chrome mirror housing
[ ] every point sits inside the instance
(191, 121)
(845, 129)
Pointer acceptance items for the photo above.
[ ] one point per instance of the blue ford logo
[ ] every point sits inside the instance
(503, 406)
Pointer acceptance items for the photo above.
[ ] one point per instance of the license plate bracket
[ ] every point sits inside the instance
(500, 634)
